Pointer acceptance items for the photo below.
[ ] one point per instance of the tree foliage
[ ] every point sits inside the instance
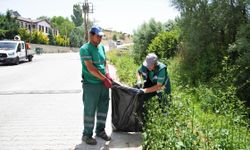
(64, 25)
(43, 18)
(164, 45)
(62, 40)
(77, 15)
(208, 27)
(39, 38)
(51, 37)
(240, 54)
(2, 31)
(114, 38)
(143, 37)
(8, 26)
(24, 34)
(76, 37)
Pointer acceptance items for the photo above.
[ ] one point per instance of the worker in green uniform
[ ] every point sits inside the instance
(96, 83)
(152, 75)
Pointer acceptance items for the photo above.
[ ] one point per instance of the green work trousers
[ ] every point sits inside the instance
(96, 103)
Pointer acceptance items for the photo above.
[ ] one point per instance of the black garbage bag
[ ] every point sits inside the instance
(126, 108)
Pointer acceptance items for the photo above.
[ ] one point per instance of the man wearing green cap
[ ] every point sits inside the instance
(156, 76)
(96, 84)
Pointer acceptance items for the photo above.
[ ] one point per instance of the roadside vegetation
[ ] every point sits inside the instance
(201, 117)
(126, 68)
(208, 62)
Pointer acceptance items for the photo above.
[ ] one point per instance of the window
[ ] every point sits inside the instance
(7, 45)
(19, 47)
(22, 45)
(34, 26)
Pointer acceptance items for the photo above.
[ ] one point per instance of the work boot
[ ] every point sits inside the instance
(89, 140)
(104, 136)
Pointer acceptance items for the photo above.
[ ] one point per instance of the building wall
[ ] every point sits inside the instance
(44, 27)
(54, 49)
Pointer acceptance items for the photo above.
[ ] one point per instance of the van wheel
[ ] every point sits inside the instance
(17, 61)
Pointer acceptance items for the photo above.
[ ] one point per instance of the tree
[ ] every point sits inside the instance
(164, 44)
(208, 27)
(77, 17)
(240, 53)
(64, 25)
(8, 26)
(77, 37)
(143, 37)
(51, 38)
(2, 22)
(43, 18)
(114, 38)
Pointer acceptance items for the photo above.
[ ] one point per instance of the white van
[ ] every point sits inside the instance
(14, 51)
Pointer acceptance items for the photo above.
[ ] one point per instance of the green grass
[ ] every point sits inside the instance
(126, 68)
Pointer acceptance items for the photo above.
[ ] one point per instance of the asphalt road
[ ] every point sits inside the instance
(41, 107)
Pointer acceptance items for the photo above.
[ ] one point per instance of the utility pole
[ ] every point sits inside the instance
(86, 8)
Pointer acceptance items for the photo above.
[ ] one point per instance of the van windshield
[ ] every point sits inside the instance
(7, 46)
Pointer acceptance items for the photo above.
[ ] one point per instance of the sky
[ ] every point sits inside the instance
(119, 15)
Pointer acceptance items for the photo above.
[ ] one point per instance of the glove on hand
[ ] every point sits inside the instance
(139, 84)
(138, 91)
(141, 91)
(108, 76)
(107, 83)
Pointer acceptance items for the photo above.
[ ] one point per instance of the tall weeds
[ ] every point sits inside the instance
(204, 117)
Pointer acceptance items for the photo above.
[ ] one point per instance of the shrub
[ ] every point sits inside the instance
(61, 41)
(24, 34)
(39, 38)
(164, 44)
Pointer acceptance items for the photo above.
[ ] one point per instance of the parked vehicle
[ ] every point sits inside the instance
(119, 42)
(14, 51)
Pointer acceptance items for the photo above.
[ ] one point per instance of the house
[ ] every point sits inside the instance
(42, 25)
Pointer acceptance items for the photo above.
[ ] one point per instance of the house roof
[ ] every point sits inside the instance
(14, 13)
(19, 17)
(29, 20)
(32, 21)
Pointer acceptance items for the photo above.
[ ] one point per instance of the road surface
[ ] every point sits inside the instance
(41, 107)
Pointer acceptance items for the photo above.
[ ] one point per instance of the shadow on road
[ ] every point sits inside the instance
(120, 140)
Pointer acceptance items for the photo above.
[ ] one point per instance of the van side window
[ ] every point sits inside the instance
(22, 45)
(19, 46)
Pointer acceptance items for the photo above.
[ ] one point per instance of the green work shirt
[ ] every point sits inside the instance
(158, 75)
(89, 52)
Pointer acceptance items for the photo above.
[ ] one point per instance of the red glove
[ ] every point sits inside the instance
(107, 83)
(109, 77)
